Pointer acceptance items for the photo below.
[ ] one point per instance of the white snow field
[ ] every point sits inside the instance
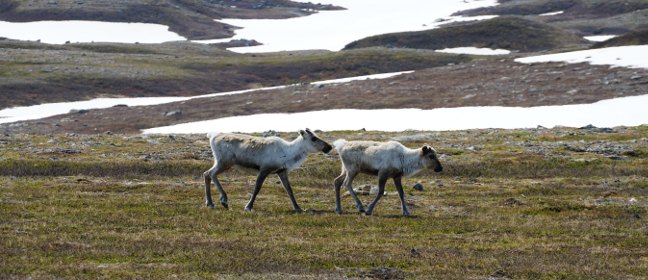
(332, 30)
(625, 56)
(75, 31)
(628, 111)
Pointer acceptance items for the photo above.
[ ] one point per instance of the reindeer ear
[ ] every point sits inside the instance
(309, 131)
(301, 132)
(426, 150)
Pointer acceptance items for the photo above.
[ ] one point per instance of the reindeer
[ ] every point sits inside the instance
(264, 155)
(386, 160)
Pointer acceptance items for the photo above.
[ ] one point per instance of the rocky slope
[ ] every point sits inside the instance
(486, 82)
(511, 33)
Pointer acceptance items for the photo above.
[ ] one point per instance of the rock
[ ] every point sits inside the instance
(597, 129)
(414, 253)
(60, 151)
(374, 190)
(383, 273)
(418, 187)
(173, 113)
(512, 202)
(82, 111)
(270, 133)
(499, 274)
(366, 190)
(636, 77)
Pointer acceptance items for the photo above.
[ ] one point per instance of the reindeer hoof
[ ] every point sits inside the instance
(210, 205)
(368, 213)
(224, 205)
(361, 210)
(338, 211)
(247, 209)
(299, 210)
(406, 214)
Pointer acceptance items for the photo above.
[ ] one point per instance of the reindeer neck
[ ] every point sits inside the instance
(297, 152)
(411, 162)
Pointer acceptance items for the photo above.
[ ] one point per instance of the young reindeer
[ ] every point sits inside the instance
(386, 160)
(265, 155)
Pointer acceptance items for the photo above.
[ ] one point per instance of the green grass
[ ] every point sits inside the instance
(133, 207)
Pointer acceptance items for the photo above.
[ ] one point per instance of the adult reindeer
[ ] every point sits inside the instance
(265, 155)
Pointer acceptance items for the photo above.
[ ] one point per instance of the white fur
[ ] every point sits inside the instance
(384, 159)
(264, 155)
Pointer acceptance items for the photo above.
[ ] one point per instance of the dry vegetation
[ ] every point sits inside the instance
(536, 203)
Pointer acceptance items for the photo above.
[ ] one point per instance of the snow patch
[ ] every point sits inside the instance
(628, 111)
(551, 14)
(624, 56)
(332, 30)
(60, 32)
(599, 38)
(475, 51)
(51, 109)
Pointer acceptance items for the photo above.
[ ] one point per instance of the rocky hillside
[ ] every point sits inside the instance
(511, 33)
(190, 18)
(632, 38)
(585, 17)
(484, 82)
(34, 73)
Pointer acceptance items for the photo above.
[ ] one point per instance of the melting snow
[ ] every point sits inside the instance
(50, 109)
(629, 111)
(59, 32)
(332, 30)
(599, 38)
(551, 14)
(476, 51)
(625, 56)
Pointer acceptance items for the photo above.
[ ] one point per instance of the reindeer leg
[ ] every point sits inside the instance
(257, 187)
(283, 176)
(348, 182)
(210, 175)
(208, 196)
(338, 183)
(382, 179)
(223, 195)
(401, 194)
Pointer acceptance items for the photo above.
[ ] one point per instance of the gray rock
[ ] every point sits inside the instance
(270, 133)
(173, 113)
(418, 187)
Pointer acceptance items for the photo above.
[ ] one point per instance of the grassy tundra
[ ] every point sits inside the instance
(537, 203)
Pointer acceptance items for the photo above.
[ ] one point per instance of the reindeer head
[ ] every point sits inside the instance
(313, 142)
(430, 159)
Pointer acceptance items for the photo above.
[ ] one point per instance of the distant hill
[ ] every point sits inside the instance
(588, 17)
(193, 19)
(509, 32)
(632, 38)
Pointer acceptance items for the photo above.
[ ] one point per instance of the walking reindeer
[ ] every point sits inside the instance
(264, 155)
(386, 160)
